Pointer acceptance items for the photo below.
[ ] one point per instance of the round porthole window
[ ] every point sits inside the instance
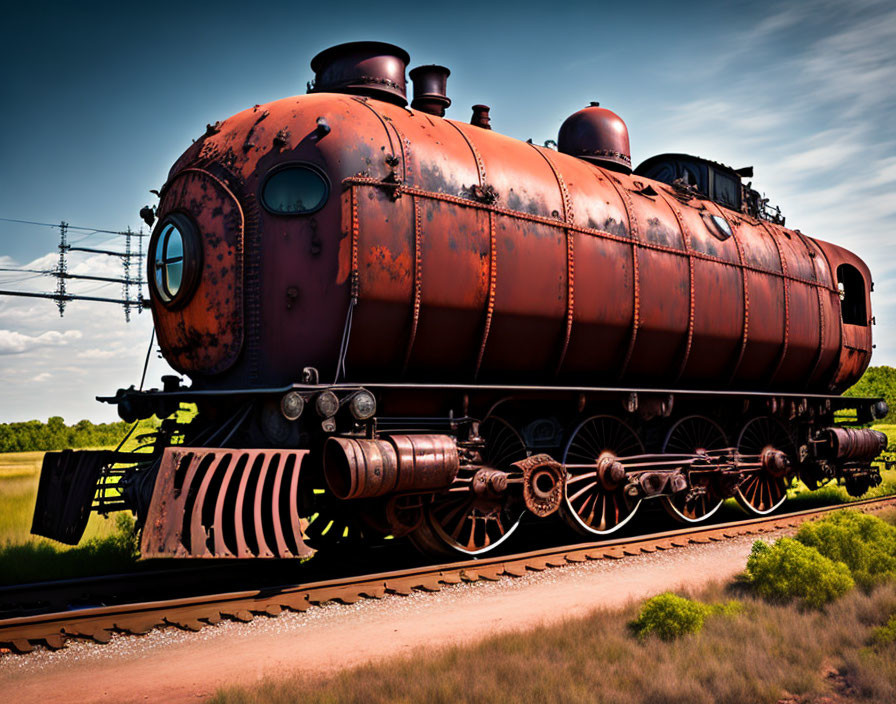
(174, 259)
(295, 189)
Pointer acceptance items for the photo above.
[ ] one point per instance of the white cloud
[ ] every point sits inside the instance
(12, 342)
(113, 352)
(43, 376)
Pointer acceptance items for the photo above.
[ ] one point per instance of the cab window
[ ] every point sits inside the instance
(851, 285)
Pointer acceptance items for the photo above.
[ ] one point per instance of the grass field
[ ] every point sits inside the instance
(19, 472)
(756, 656)
(108, 544)
(743, 649)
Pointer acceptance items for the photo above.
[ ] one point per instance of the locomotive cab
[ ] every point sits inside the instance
(854, 286)
(717, 182)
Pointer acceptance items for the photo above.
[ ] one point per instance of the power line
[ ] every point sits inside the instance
(67, 297)
(70, 227)
(45, 272)
(61, 295)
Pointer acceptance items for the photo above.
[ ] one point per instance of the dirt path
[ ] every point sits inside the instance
(175, 666)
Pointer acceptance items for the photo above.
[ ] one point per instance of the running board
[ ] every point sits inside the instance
(225, 503)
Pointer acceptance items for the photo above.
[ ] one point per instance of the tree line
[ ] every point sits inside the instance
(878, 382)
(34, 435)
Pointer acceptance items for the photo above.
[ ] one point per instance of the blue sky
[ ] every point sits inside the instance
(99, 99)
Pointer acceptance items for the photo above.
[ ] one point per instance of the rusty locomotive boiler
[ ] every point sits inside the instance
(397, 324)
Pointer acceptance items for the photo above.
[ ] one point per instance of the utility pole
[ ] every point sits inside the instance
(62, 268)
(126, 286)
(130, 257)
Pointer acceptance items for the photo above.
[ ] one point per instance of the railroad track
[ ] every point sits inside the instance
(52, 629)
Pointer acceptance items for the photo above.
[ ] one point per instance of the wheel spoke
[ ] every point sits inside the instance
(761, 492)
(590, 508)
(460, 522)
(686, 437)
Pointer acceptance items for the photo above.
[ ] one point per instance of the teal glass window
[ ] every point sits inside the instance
(295, 190)
(168, 260)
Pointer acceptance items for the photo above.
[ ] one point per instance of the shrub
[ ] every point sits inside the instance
(670, 616)
(732, 608)
(865, 544)
(886, 634)
(791, 570)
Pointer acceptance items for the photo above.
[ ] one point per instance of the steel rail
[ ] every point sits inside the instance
(21, 634)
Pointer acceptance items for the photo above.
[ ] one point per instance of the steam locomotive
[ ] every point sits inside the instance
(396, 324)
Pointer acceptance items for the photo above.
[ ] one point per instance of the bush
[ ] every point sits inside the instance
(670, 616)
(886, 634)
(865, 544)
(790, 570)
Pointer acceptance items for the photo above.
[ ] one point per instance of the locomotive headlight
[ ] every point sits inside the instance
(291, 405)
(362, 405)
(327, 404)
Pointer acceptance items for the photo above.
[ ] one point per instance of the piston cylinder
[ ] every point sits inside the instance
(360, 468)
(855, 444)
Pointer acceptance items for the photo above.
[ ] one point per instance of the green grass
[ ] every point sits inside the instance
(25, 557)
(107, 544)
(890, 432)
(19, 473)
(799, 496)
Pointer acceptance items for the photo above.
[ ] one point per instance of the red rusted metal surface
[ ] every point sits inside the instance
(358, 468)
(855, 443)
(597, 135)
(225, 503)
(205, 336)
(543, 479)
(477, 257)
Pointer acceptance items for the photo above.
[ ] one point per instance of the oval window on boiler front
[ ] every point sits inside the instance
(296, 189)
(175, 259)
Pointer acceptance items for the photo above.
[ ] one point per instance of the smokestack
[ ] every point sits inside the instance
(430, 89)
(481, 117)
(374, 69)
